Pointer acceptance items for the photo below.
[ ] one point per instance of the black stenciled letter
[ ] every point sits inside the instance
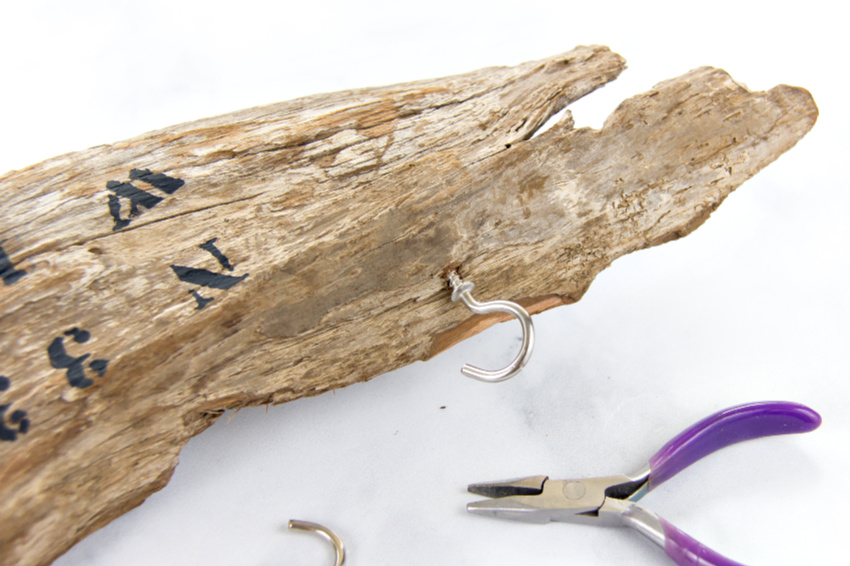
(206, 278)
(138, 197)
(18, 418)
(7, 270)
(75, 373)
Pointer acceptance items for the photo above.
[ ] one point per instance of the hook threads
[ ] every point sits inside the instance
(461, 289)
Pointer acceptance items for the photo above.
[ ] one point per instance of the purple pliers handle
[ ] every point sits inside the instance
(730, 426)
(610, 500)
(733, 425)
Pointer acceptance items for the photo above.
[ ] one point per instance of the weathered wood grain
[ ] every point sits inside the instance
(287, 250)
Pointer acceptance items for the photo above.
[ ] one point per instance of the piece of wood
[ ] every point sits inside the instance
(292, 249)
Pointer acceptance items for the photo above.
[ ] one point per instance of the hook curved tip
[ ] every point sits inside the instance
(504, 374)
(323, 532)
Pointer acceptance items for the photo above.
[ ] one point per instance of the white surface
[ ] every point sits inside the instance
(752, 306)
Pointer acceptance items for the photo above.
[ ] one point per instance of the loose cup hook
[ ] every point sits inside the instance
(325, 533)
(462, 291)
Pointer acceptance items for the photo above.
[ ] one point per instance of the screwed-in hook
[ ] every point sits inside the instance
(323, 532)
(462, 291)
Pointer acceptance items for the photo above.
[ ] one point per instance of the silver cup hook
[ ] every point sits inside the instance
(462, 291)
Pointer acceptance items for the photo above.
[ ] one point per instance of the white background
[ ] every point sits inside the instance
(752, 306)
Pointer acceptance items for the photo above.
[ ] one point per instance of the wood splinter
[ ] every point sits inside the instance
(291, 249)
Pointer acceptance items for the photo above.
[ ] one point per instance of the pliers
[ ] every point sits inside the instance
(609, 500)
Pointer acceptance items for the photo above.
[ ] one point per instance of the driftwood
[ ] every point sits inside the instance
(288, 250)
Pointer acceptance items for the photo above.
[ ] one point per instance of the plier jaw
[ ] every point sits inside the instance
(537, 499)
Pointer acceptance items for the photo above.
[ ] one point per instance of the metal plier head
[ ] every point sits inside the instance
(538, 499)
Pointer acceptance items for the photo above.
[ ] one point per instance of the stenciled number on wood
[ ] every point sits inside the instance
(206, 278)
(7, 270)
(138, 197)
(18, 423)
(73, 366)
